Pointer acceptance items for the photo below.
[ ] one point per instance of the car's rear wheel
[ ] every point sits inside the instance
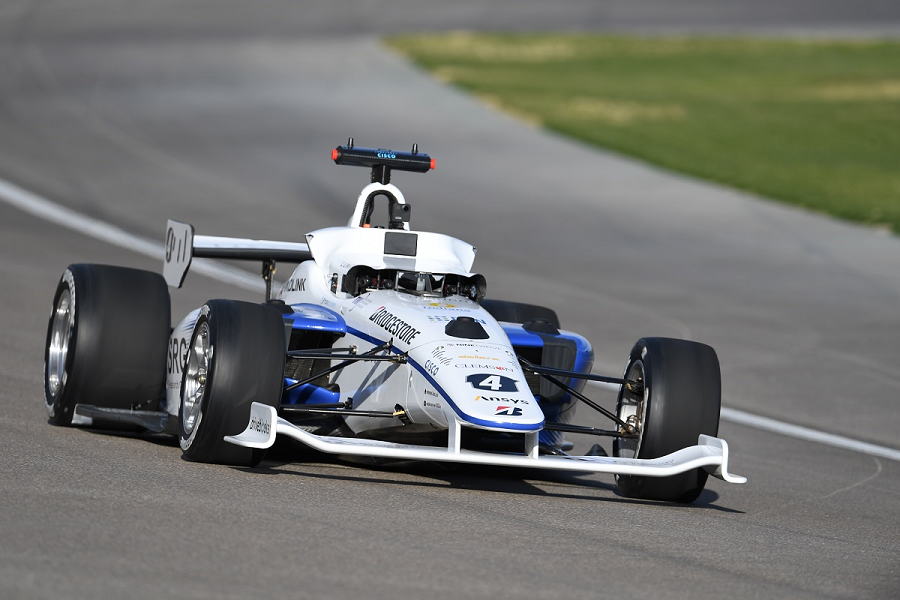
(679, 399)
(106, 340)
(519, 312)
(236, 357)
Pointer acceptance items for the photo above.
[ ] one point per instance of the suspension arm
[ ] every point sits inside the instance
(349, 359)
(318, 410)
(545, 372)
(587, 430)
(634, 386)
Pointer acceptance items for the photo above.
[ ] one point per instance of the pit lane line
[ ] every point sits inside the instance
(57, 214)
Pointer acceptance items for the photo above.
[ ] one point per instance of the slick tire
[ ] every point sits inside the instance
(519, 312)
(236, 357)
(681, 399)
(106, 340)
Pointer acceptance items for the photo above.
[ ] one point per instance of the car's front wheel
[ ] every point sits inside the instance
(677, 399)
(236, 357)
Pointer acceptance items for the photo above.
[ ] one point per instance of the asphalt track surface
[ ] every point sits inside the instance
(223, 114)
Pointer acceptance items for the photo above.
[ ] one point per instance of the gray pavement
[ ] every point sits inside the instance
(224, 116)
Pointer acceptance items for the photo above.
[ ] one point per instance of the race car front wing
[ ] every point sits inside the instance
(710, 453)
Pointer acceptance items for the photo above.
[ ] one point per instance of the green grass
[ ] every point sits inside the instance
(811, 122)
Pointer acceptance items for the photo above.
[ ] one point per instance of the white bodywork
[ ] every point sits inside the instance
(443, 382)
(337, 249)
(179, 340)
(434, 387)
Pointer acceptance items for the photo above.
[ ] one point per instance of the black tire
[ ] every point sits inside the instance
(681, 399)
(106, 340)
(519, 312)
(241, 349)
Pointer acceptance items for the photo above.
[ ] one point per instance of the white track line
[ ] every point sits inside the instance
(805, 433)
(50, 211)
(795, 431)
(65, 217)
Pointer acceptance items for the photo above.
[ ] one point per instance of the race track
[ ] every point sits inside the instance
(224, 113)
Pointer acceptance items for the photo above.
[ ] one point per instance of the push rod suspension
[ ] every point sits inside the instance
(345, 357)
(351, 350)
(335, 411)
(542, 371)
(370, 355)
(587, 430)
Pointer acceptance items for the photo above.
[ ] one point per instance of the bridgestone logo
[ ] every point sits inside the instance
(394, 325)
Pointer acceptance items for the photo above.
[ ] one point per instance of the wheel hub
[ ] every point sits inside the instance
(195, 378)
(631, 410)
(60, 339)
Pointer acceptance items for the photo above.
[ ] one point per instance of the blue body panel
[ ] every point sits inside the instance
(309, 394)
(559, 411)
(309, 317)
(317, 318)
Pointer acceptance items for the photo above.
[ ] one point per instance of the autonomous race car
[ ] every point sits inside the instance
(381, 344)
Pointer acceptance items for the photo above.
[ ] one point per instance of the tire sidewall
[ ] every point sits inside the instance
(187, 441)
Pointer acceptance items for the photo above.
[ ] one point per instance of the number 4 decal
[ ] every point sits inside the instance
(494, 383)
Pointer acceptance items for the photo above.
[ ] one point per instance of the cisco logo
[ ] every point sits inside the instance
(386, 154)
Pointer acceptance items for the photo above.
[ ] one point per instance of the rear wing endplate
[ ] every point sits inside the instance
(182, 246)
(179, 251)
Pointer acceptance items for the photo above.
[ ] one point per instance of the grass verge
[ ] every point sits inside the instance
(812, 122)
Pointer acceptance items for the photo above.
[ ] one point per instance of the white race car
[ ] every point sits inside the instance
(380, 344)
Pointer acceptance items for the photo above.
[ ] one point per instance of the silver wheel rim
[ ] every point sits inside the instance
(195, 377)
(632, 410)
(60, 338)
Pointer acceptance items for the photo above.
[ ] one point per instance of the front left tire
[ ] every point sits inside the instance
(236, 357)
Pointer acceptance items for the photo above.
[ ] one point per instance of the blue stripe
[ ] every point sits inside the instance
(446, 396)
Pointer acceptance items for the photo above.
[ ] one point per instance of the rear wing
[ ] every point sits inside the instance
(182, 246)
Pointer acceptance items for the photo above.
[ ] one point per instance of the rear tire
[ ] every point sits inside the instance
(106, 340)
(519, 312)
(681, 399)
(236, 357)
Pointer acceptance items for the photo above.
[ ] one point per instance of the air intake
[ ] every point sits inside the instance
(466, 328)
